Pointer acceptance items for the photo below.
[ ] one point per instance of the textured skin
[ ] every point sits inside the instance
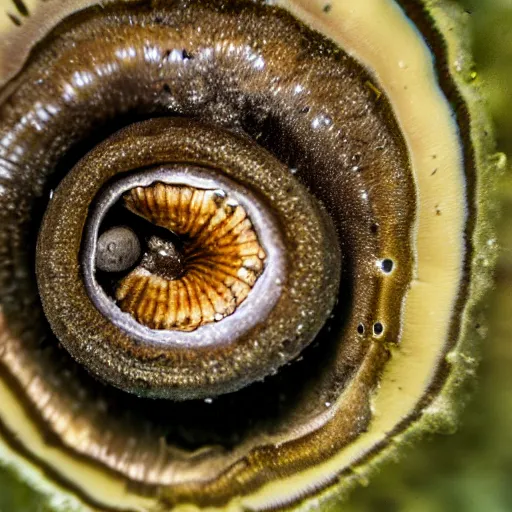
(305, 111)
(179, 367)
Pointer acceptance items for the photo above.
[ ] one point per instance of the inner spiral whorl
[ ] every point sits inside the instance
(221, 258)
(289, 242)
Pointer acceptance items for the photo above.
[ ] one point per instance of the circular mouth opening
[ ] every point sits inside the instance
(223, 255)
(191, 256)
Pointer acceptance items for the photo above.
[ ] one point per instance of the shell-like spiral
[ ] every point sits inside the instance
(222, 258)
(263, 244)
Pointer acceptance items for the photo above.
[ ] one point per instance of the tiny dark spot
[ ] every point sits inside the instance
(477, 326)
(305, 110)
(434, 157)
(386, 265)
(288, 345)
(378, 328)
(438, 210)
(360, 329)
(22, 8)
(158, 19)
(400, 388)
(166, 88)
(327, 8)
(433, 172)
(374, 228)
(356, 159)
(15, 20)
(186, 55)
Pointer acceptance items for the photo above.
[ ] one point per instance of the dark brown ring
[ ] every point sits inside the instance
(300, 287)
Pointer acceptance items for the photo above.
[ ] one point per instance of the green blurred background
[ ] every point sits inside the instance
(470, 471)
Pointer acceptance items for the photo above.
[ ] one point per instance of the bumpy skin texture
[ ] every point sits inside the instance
(257, 72)
(183, 366)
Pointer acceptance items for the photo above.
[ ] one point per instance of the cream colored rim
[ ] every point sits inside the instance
(376, 33)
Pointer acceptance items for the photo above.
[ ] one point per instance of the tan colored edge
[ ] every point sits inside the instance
(108, 490)
(18, 41)
(48, 493)
(442, 414)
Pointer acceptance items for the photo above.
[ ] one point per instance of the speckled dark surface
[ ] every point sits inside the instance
(250, 344)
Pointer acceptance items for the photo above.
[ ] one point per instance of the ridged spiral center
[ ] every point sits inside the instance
(209, 277)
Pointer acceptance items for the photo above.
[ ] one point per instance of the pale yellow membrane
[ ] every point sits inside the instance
(32, 475)
(42, 18)
(377, 34)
